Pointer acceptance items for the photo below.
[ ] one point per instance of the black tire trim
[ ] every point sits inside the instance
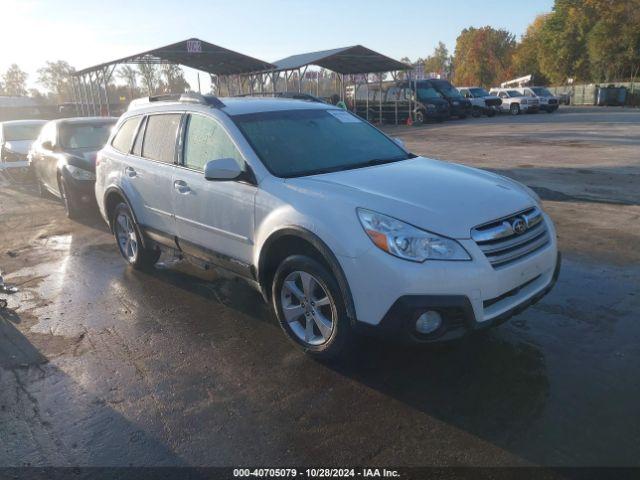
(324, 250)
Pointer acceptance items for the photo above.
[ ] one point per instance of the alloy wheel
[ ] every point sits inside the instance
(308, 308)
(127, 240)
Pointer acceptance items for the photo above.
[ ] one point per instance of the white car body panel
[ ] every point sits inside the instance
(236, 219)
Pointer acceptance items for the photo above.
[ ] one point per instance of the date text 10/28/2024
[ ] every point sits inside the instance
(316, 472)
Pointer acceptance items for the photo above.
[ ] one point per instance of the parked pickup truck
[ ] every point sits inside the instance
(482, 103)
(514, 102)
(548, 101)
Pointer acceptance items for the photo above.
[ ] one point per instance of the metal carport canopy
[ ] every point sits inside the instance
(347, 60)
(193, 53)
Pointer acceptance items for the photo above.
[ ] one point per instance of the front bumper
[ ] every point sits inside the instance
(549, 107)
(456, 311)
(458, 110)
(382, 285)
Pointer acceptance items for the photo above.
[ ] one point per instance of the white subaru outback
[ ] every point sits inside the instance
(339, 227)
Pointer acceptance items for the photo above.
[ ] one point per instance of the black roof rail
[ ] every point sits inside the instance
(299, 96)
(190, 97)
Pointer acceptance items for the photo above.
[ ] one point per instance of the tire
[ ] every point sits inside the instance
(419, 118)
(462, 117)
(491, 113)
(300, 284)
(476, 112)
(129, 240)
(514, 109)
(69, 201)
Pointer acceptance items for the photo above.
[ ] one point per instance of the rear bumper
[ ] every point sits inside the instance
(456, 311)
(82, 191)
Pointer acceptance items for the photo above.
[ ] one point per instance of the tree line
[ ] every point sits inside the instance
(584, 40)
(56, 79)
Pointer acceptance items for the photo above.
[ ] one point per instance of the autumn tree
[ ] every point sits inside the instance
(15, 81)
(56, 78)
(525, 58)
(439, 61)
(483, 56)
(613, 42)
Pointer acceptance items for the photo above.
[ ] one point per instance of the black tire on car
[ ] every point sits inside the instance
(476, 112)
(491, 112)
(462, 117)
(419, 118)
(310, 307)
(514, 109)
(129, 239)
(71, 204)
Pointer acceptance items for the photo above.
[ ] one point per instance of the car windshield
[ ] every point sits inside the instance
(428, 92)
(541, 92)
(84, 135)
(294, 143)
(449, 90)
(479, 92)
(21, 132)
(514, 93)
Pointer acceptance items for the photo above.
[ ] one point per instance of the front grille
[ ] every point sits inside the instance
(493, 102)
(553, 101)
(509, 239)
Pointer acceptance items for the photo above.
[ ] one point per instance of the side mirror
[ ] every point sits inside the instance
(222, 169)
(47, 145)
(399, 141)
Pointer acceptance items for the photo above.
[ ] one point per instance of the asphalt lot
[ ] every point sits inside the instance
(102, 365)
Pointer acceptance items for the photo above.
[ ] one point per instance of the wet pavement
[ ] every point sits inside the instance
(103, 365)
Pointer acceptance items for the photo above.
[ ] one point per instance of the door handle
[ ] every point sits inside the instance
(181, 186)
(130, 171)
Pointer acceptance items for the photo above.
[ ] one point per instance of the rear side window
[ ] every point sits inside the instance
(160, 137)
(123, 139)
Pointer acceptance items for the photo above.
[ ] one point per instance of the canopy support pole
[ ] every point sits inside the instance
(380, 98)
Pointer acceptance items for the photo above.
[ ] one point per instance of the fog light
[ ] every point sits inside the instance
(428, 322)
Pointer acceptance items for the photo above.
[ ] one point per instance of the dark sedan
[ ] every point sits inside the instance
(63, 159)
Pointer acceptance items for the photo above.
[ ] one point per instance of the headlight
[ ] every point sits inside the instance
(408, 242)
(80, 173)
(430, 106)
(456, 103)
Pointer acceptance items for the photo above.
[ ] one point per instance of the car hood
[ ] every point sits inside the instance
(445, 198)
(19, 146)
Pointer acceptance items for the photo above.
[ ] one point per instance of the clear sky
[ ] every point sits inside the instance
(87, 32)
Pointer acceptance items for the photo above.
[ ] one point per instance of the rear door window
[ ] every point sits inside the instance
(124, 138)
(160, 137)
